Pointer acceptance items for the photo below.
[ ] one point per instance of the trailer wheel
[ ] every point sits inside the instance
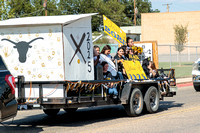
(135, 106)
(151, 99)
(70, 110)
(51, 112)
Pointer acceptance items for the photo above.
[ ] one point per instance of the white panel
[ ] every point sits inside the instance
(147, 49)
(49, 90)
(56, 91)
(78, 62)
(44, 58)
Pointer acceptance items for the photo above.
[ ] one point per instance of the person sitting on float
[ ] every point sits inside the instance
(97, 60)
(119, 57)
(130, 42)
(108, 76)
(153, 72)
(106, 51)
(126, 51)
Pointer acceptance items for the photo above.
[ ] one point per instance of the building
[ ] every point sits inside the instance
(160, 27)
(133, 32)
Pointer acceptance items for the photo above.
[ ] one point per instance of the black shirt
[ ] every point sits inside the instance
(107, 75)
(120, 65)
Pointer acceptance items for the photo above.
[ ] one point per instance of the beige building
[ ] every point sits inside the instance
(160, 27)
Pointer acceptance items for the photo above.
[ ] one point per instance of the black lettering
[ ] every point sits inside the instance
(88, 51)
(88, 45)
(88, 54)
(90, 67)
(88, 39)
(149, 51)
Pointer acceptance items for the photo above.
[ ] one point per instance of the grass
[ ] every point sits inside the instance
(182, 71)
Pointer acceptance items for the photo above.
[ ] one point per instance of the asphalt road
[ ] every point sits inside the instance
(176, 114)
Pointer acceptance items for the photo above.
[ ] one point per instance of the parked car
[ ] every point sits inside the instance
(8, 103)
(196, 75)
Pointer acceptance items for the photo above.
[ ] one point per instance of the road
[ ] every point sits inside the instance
(176, 114)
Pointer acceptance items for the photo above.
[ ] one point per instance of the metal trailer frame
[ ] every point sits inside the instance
(125, 88)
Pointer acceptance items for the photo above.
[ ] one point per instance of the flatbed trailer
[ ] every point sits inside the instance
(134, 95)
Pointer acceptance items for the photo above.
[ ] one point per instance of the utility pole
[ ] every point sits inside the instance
(45, 7)
(134, 14)
(167, 6)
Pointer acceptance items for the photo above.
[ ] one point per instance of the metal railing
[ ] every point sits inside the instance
(167, 53)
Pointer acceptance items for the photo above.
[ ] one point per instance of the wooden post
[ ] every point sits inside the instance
(134, 14)
(45, 7)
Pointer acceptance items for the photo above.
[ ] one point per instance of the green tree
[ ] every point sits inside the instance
(114, 10)
(27, 8)
(3, 10)
(92, 6)
(180, 33)
(19, 8)
(69, 6)
(52, 8)
(103, 40)
(143, 6)
(119, 11)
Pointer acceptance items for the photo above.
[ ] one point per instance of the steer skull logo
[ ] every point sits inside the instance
(22, 47)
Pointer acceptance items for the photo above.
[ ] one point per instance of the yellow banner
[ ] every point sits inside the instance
(134, 70)
(114, 31)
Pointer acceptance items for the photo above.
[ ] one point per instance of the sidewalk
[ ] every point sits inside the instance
(183, 80)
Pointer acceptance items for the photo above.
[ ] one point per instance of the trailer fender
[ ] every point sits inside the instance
(126, 93)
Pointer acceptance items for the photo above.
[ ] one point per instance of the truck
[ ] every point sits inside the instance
(8, 103)
(51, 58)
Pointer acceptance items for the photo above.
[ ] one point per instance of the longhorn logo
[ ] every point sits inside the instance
(22, 47)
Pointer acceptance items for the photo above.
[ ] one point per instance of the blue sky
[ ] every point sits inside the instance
(176, 5)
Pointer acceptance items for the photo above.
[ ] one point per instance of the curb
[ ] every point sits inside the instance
(185, 84)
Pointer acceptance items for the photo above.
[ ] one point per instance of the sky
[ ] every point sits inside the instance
(176, 5)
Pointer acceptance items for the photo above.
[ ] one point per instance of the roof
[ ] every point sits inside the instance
(44, 20)
(131, 29)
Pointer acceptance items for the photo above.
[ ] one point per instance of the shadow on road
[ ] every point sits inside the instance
(165, 105)
(36, 123)
(79, 118)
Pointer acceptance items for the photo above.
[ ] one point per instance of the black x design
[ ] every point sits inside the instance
(78, 47)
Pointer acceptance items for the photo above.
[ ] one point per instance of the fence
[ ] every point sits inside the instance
(167, 53)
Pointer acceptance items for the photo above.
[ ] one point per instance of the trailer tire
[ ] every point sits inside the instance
(51, 112)
(151, 99)
(136, 102)
(70, 110)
